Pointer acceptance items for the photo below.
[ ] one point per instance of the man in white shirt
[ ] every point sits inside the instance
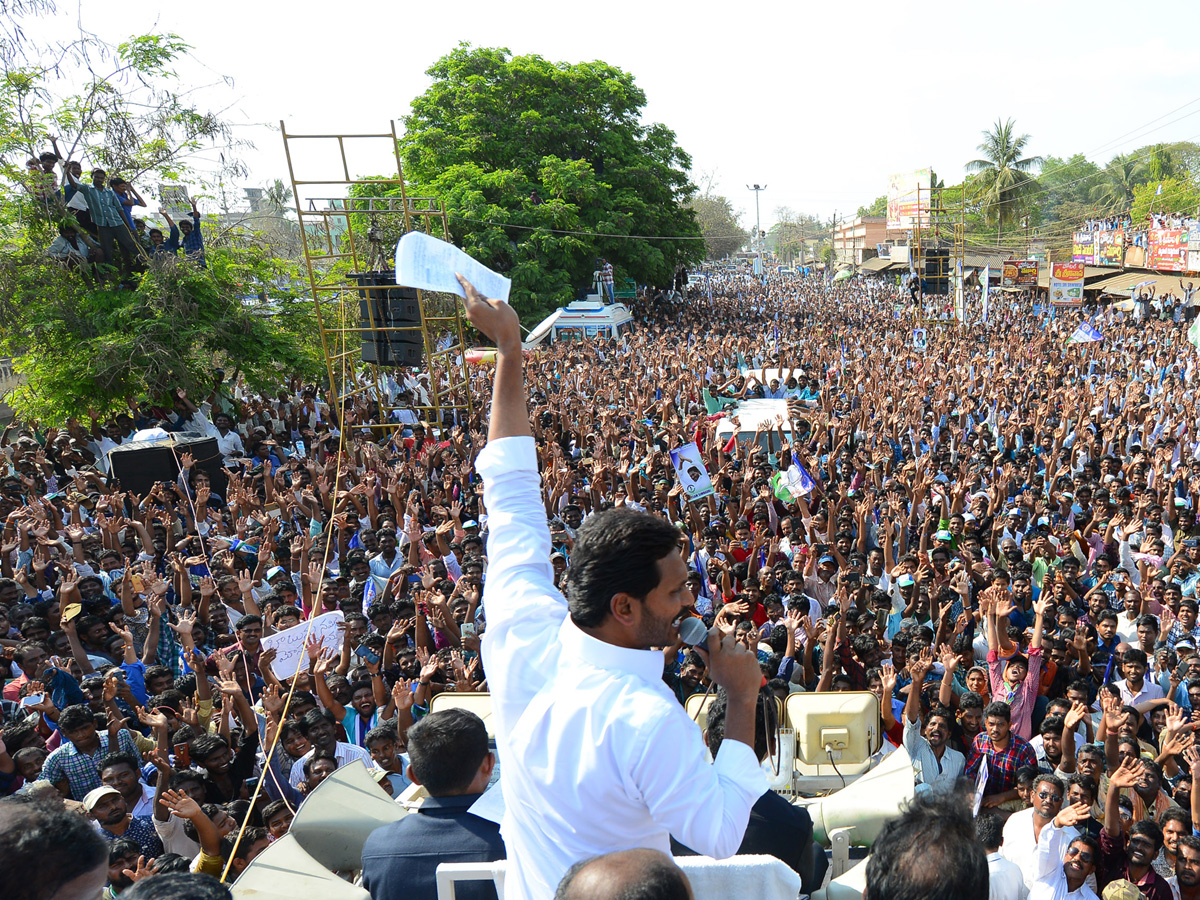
(1023, 829)
(1005, 881)
(1135, 688)
(1064, 859)
(941, 765)
(598, 754)
(1185, 883)
(322, 735)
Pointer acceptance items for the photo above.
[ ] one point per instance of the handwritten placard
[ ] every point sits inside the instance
(290, 655)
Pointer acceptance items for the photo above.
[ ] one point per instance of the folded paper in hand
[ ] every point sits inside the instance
(430, 264)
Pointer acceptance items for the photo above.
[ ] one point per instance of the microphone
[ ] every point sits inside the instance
(693, 633)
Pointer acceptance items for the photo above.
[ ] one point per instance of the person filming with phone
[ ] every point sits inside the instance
(598, 754)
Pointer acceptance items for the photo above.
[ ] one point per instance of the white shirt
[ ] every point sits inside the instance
(1020, 847)
(1051, 881)
(598, 754)
(1004, 879)
(145, 806)
(940, 774)
(343, 753)
(1151, 690)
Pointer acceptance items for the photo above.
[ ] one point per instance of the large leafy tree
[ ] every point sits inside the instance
(545, 166)
(1004, 175)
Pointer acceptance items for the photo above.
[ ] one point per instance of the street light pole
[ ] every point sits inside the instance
(757, 218)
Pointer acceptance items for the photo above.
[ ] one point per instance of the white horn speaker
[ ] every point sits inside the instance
(868, 803)
(334, 822)
(850, 886)
(284, 872)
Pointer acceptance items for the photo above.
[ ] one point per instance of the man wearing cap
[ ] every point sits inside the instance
(106, 808)
(821, 584)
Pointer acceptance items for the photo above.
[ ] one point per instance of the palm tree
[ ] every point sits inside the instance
(1114, 190)
(1004, 174)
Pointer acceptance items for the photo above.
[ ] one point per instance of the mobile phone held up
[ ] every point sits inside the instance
(366, 654)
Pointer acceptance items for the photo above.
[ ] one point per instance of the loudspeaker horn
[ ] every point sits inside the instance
(284, 872)
(334, 822)
(867, 804)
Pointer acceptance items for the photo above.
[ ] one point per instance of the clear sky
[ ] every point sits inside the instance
(820, 102)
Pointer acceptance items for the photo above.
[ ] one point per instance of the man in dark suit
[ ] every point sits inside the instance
(776, 827)
(448, 753)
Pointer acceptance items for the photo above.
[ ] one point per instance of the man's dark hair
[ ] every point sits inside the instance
(118, 759)
(970, 700)
(989, 831)
(928, 852)
(1134, 655)
(122, 847)
(998, 709)
(44, 846)
(446, 749)
(379, 733)
(1053, 780)
(313, 718)
(246, 621)
(180, 886)
(317, 756)
(206, 745)
(616, 551)
(1052, 725)
(1150, 829)
(1088, 783)
(765, 723)
(639, 874)
(75, 717)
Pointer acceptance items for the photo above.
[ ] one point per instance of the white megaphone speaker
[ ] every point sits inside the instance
(335, 820)
(867, 804)
(285, 872)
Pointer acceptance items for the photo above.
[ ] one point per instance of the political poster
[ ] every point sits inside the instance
(174, 199)
(908, 199)
(920, 340)
(1019, 273)
(1083, 247)
(690, 470)
(290, 655)
(1110, 247)
(1066, 284)
(1193, 254)
(1168, 249)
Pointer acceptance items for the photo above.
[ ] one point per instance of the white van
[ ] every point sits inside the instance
(582, 320)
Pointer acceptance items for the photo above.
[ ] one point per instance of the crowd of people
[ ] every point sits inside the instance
(98, 233)
(996, 535)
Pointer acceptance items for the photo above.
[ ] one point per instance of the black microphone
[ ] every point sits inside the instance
(693, 633)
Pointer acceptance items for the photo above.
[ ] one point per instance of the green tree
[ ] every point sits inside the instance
(878, 207)
(720, 224)
(1004, 176)
(1179, 195)
(544, 167)
(1063, 185)
(1113, 189)
(79, 341)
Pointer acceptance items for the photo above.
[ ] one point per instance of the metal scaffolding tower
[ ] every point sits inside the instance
(349, 226)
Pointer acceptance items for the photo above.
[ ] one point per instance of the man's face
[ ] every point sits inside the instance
(1088, 764)
(1147, 637)
(1173, 830)
(109, 809)
(383, 752)
(123, 778)
(219, 762)
(1134, 670)
(656, 618)
(1079, 863)
(1077, 794)
(1046, 799)
(116, 870)
(1187, 867)
(1142, 849)
(937, 731)
(278, 824)
(1187, 615)
(250, 636)
(997, 728)
(321, 770)
(364, 702)
(322, 736)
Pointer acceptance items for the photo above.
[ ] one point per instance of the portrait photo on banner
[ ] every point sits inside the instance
(689, 469)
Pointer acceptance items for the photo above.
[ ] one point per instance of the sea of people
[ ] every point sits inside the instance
(995, 534)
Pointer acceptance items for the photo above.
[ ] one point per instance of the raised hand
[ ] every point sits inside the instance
(180, 804)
